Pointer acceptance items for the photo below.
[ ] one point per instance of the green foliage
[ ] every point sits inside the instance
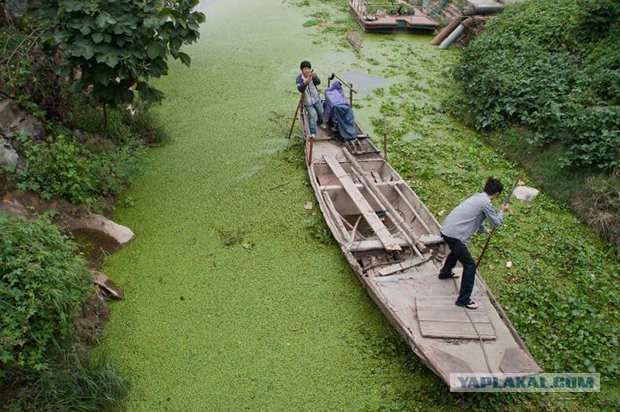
(318, 230)
(61, 167)
(76, 384)
(389, 7)
(28, 75)
(43, 286)
(528, 69)
(119, 45)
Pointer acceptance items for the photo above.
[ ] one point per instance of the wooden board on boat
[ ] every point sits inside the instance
(439, 317)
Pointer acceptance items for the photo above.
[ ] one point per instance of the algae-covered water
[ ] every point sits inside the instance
(277, 320)
(233, 297)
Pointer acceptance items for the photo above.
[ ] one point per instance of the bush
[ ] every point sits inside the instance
(62, 167)
(537, 66)
(28, 74)
(43, 286)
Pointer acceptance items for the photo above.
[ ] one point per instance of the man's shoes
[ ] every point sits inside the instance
(450, 276)
(313, 136)
(470, 305)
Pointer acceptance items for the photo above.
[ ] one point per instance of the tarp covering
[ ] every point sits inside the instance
(337, 110)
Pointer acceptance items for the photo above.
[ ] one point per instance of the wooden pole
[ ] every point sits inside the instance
(351, 94)
(295, 116)
(385, 146)
(486, 244)
(310, 151)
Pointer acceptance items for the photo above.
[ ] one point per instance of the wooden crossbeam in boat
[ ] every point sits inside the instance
(362, 204)
(404, 265)
(372, 188)
(372, 244)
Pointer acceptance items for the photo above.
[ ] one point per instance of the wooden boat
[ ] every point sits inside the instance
(392, 242)
(371, 22)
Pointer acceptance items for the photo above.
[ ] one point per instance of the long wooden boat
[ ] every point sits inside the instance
(391, 241)
(371, 22)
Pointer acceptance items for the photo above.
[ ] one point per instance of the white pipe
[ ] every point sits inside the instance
(452, 37)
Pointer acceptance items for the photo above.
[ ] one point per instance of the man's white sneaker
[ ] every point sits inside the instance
(313, 136)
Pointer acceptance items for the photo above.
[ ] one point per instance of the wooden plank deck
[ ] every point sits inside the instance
(439, 317)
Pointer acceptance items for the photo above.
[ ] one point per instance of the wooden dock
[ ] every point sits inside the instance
(416, 22)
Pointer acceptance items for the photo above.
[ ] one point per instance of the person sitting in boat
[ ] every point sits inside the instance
(307, 82)
(459, 226)
(339, 112)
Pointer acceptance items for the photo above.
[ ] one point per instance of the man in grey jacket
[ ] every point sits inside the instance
(307, 83)
(459, 226)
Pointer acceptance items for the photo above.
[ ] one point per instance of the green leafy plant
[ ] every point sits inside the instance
(28, 75)
(62, 167)
(42, 287)
(535, 66)
(119, 45)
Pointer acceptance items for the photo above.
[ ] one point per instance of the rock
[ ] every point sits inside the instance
(15, 120)
(525, 193)
(33, 127)
(12, 208)
(10, 115)
(122, 235)
(104, 282)
(8, 155)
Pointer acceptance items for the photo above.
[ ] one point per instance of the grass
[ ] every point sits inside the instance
(284, 324)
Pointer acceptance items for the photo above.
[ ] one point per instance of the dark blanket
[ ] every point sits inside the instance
(343, 118)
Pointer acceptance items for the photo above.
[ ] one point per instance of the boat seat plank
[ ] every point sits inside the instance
(371, 244)
(382, 232)
(449, 321)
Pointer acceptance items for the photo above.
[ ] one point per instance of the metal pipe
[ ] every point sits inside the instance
(452, 37)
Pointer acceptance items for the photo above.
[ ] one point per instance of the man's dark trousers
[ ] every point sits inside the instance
(459, 252)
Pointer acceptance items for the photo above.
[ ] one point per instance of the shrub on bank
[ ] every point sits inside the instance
(552, 66)
(80, 170)
(43, 285)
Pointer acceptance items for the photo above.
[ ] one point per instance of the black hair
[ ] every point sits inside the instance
(305, 63)
(493, 186)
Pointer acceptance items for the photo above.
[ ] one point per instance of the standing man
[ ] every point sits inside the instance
(459, 226)
(306, 84)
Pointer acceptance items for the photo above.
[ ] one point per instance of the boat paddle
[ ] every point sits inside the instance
(486, 245)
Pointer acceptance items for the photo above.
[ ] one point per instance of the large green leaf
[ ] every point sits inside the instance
(185, 59)
(111, 60)
(155, 50)
(97, 38)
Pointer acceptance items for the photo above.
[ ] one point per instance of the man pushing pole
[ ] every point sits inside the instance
(462, 222)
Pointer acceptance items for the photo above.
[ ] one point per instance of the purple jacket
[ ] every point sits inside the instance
(334, 96)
